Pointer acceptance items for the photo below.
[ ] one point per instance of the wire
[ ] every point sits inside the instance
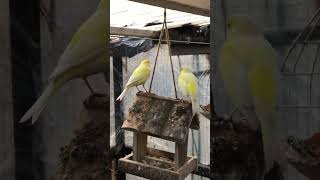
(155, 64)
(164, 28)
(170, 54)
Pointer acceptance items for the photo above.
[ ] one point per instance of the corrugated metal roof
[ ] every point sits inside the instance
(134, 15)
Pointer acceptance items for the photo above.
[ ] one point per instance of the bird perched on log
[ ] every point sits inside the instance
(85, 55)
(139, 76)
(188, 84)
(249, 69)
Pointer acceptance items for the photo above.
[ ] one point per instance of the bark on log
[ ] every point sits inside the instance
(162, 117)
(87, 156)
(238, 152)
(304, 155)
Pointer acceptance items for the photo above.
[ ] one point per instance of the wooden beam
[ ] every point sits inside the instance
(132, 32)
(139, 146)
(201, 170)
(188, 167)
(130, 166)
(180, 155)
(199, 7)
(189, 49)
(7, 149)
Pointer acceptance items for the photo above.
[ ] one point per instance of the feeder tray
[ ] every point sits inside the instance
(165, 118)
(159, 164)
(304, 155)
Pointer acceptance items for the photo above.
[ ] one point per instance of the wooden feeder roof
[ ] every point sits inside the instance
(162, 117)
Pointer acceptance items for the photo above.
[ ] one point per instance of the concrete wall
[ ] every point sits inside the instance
(6, 102)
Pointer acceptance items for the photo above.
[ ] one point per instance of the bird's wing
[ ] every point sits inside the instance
(183, 85)
(139, 76)
(234, 75)
(88, 43)
(192, 85)
(263, 74)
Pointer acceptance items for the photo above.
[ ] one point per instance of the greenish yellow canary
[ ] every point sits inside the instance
(249, 69)
(188, 84)
(85, 55)
(138, 77)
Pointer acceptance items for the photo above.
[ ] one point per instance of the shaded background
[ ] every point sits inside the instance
(30, 48)
(281, 21)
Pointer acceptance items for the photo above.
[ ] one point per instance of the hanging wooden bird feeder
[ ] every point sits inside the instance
(165, 118)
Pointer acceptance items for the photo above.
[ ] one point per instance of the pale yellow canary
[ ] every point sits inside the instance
(249, 69)
(138, 77)
(85, 55)
(188, 84)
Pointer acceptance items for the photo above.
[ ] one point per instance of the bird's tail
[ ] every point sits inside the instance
(103, 4)
(195, 106)
(271, 136)
(41, 103)
(120, 97)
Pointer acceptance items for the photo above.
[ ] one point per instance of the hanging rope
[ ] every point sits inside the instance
(164, 28)
(169, 48)
(155, 63)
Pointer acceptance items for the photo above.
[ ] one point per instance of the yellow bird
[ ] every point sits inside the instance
(249, 69)
(85, 55)
(188, 84)
(139, 76)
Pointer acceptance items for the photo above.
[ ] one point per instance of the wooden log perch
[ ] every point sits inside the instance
(162, 117)
(304, 155)
(87, 156)
(238, 152)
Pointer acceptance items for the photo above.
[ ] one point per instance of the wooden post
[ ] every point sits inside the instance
(7, 157)
(180, 156)
(26, 80)
(117, 79)
(139, 146)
